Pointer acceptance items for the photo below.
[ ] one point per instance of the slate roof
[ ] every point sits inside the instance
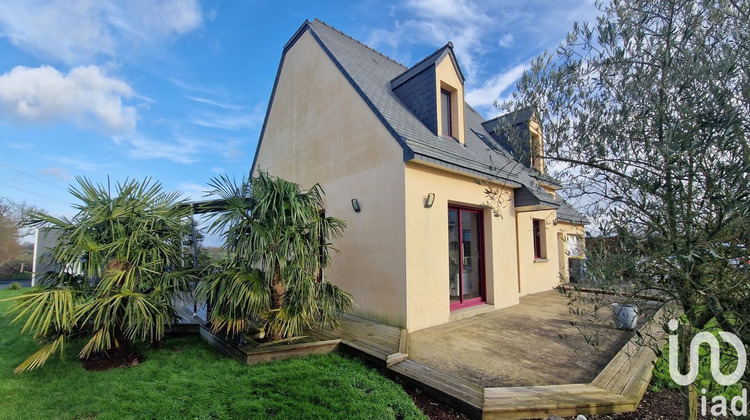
(372, 75)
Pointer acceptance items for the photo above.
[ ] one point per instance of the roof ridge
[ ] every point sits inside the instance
(361, 43)
(449, 44)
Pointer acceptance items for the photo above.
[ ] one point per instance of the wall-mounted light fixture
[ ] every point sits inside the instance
(429, 201)
(355, 205)
(554, 222)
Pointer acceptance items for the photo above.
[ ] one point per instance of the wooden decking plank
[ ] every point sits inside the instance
(385, 329)
(394, 358)
(379, 353)
(403, 341)
(449, 384)
(363, 331)
(267, 354)
(223, 346)
(564, 412)
(351, 334)
(640, 379)
(546, 389)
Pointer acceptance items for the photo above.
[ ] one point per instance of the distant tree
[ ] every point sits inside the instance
(119, 260)
(648, 109)
(12, 230)
(12, 215)
(9, 236)
(278, 243)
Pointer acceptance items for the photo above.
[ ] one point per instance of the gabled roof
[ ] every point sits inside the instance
(372, 75)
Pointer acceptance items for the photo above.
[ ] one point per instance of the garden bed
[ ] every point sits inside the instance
(254, 352)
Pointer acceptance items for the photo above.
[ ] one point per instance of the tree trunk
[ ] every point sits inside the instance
(689, 393)
(277, 300)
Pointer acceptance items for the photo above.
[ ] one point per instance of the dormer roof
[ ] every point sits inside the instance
(430, 60)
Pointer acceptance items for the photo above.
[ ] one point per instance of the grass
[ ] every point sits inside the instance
(186, 378)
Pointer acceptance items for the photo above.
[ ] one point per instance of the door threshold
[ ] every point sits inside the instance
(470, 311)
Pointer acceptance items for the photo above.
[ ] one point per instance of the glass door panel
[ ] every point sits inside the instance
(454, 256)
(466, 281)
(471, 276)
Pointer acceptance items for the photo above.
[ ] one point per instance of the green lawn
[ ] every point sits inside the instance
(188, 379)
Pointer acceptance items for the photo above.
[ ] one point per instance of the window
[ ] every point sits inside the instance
(540, 249)
(445, 113)
(575, 246)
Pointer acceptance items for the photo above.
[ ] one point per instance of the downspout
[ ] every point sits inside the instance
(518, 254)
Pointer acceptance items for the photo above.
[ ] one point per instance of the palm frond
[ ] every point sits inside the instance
(45, 311)
(40, 356)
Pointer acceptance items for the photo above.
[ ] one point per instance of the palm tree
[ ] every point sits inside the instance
(119, 266)
(279, 242)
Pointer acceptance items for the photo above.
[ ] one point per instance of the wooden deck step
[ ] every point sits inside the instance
(455, 391)
(377, 342)
(543, 401)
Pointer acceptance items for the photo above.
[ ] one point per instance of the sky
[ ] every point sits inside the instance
(177, 90)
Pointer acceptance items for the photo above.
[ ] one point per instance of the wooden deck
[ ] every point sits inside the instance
(618, 388)
(382, 344)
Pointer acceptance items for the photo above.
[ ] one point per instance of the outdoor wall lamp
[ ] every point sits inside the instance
(355, 205)
(429, 201)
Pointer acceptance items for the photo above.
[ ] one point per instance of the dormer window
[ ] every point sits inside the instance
(445, 113)
(433, 89)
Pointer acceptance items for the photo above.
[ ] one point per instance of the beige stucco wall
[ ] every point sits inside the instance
(537, 275)
(427, 244)
(542, 275)
(537, 148)
(447, 77)
(320, 130)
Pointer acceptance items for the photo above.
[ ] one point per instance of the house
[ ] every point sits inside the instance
(45, 240)
(406, 162)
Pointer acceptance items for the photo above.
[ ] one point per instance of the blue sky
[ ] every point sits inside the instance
(176, 90)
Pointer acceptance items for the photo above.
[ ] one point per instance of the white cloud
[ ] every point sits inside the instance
(81, 163)
(506, 41)
(229, 120)
(436, 22)
(75, 31)
(216, 103)
(56, 172)
(449, 10)
(85, 96)
(473, 26)
(492, 89)
(193, 191)
(140, 147)
(25, 146)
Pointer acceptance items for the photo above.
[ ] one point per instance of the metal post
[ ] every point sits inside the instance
(195, 258)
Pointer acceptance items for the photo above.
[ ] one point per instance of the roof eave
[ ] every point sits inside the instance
(452, 167)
